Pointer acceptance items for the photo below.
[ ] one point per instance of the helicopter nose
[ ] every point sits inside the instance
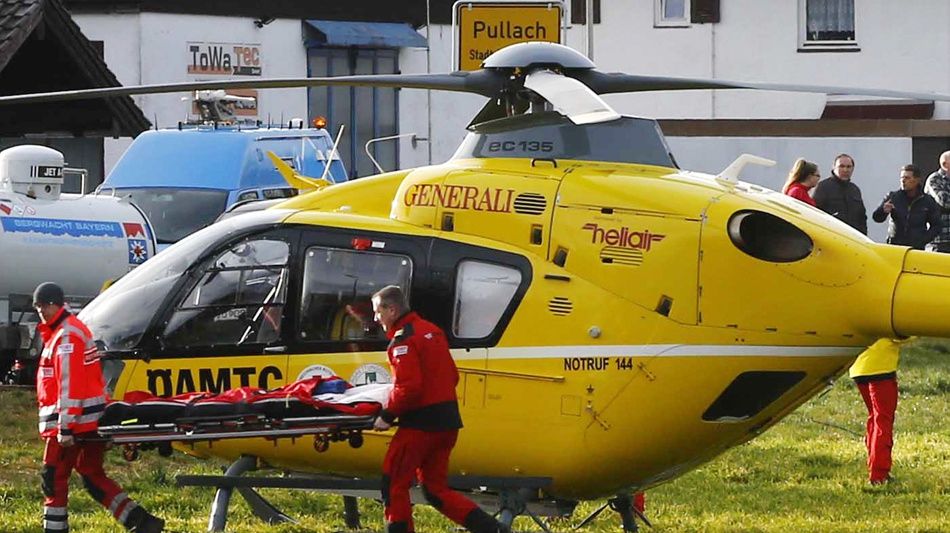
(921, 304)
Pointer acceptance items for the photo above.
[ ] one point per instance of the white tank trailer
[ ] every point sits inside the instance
(79, 241)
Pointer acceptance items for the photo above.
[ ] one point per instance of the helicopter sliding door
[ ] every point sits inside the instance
(222, 327)
(472, 293)
(340, 270)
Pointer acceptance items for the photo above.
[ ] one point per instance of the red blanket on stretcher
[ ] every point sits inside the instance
(300, 392)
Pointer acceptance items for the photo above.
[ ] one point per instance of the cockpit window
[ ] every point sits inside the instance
(337, 288)
(552, 136)
(239, 298)
(254, 253)
(119, 316)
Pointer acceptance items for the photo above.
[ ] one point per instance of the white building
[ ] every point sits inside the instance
(868, 43)
(147, 42)
(150, 48)
(881, 44)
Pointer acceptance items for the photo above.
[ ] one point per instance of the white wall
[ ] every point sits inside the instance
(903, 45)
(448, 113)
(151, 48)
(877, 161)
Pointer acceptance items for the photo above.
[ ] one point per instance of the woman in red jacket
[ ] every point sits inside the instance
(802, 178)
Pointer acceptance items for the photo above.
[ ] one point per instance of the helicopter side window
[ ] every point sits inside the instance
(239, 298)
(337, 289)
(482, 293)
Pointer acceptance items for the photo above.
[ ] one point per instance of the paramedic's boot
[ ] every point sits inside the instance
(479, 521)
(143, 522)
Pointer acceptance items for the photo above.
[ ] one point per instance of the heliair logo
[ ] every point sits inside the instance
(626, 237)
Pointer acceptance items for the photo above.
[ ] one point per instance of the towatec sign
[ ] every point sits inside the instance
(224, 59)
(482, 28)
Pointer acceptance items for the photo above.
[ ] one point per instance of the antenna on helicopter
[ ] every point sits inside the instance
(730, 175)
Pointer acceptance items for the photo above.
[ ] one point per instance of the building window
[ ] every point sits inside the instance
(368, 113)
(671, 13)
(827, 25)
(579, 11)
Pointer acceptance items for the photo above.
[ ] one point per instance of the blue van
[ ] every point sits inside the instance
(184, 178)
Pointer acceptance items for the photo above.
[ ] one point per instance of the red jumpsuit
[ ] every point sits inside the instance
(71, 394)
(875, 374)
(423, 399)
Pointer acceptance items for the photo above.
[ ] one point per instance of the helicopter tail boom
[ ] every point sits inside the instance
(921, 303)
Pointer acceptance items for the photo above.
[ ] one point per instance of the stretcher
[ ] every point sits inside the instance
(290, 412)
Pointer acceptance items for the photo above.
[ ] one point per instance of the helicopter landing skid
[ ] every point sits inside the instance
(513, 503)
(259, 506)
(513, 496)
(623, 505)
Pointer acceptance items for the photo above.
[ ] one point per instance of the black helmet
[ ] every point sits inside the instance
(48, 293)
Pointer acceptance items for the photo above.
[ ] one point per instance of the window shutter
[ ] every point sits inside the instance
(579, 11)
(704, 11)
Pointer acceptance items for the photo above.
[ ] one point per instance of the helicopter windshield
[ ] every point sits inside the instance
(120, 315)
(175, 213)
(550, 135)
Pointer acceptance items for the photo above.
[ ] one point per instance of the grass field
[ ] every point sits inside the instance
(805, 474)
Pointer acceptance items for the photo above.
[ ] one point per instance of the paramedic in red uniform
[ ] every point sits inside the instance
(423, 400)
(71, 393)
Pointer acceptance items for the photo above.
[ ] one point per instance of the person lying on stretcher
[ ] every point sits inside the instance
(311, 397)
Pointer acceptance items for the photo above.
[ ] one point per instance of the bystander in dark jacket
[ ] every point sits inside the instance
(913, 217)
(838, 196)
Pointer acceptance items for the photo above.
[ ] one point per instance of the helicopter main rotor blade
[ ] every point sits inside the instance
(616, 82)
(483, 82)
(570, 97)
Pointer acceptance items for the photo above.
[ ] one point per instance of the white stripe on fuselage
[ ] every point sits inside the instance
(657, 350)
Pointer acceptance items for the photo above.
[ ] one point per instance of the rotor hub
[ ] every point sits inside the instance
(537, 54)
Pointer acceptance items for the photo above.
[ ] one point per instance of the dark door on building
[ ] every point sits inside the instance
(926, 153)
(366, 113)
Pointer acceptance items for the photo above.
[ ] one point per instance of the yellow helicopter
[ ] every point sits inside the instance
(616, 320)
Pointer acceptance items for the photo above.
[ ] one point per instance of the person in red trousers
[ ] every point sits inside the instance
(424, 402)
(875, 374)
(70, 390)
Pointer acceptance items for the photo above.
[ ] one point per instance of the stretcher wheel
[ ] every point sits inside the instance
(130, 452)
(321, 443)
(355, 439)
